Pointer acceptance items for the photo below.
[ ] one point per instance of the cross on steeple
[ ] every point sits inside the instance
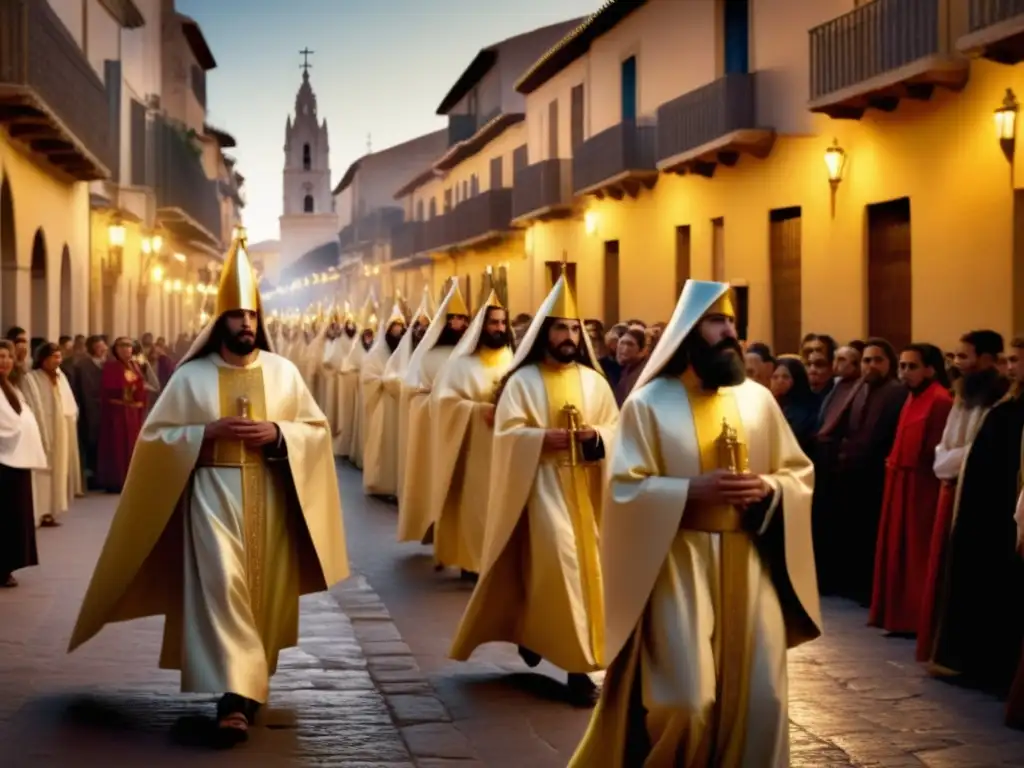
(305, 53)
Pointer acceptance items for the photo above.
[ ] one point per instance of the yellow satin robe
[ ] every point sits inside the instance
(540, 579)
(461, 448)
(209, 533)
(414, 518)
(677, 652)
(380, 440)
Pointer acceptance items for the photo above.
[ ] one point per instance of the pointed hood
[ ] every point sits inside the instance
(699, 298)
(368, 314)
(560, 302)
(399, 361)
(238, 289)
(471, 338)
(453, 304)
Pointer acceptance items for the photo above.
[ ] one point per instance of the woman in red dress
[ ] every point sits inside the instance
(122, 407)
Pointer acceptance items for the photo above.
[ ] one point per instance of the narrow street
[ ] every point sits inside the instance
(366, 693)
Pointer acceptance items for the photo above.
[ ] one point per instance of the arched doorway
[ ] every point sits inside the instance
(40, 295)
(67, 317)
(8, 260)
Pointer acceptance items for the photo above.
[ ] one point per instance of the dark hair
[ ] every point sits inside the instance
(985, 342)
(619, 328)
(5, 384)
(14, 332)
(801, 389)
(510, 337)
(42, 352)
(828, 341)
(931, 357)
(1017, 342)
(634, 321)
(522, 319)
(79, 337)
(857, 344)
(219, 331)
(90, 344)
(638, 336)
(762, 350)
(887, 350)
(537, 352)
(62, 340)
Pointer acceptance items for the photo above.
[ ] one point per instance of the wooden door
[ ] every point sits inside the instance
(785, 274)
(889, 280)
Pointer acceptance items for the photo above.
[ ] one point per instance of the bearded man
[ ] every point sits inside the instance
(230, 511)
(706, 557)
(462, 416)
(540, 579)
(417, 475)
(380, 440)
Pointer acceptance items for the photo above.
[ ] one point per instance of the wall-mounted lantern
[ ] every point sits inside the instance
(835, 163)
(590, 222)
(115, 244)
(1006, 123)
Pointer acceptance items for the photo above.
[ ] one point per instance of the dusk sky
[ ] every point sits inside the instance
(380, 67)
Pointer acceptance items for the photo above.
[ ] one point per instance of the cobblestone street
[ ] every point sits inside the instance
(371, 685)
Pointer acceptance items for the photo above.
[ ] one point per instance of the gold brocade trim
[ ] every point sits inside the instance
(564, 386)
(731, 641)
(235, 384)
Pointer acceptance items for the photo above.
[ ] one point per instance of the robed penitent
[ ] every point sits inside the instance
(462, 420)
(219, 536)
(348, 440)
(394, 378)
(540, 579)
(380, 438)
(416, 473)
(708, 577)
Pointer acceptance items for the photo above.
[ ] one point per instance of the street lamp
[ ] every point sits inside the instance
(1006, 123)
(115, 240)
(835, 163)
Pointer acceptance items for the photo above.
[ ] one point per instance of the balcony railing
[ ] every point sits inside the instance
(184, 195)
(436, 233)
(376, 225)
(884, 37)
(541, 188)
(623, 151)
(50, 97)
(706, 115)
(407, 239)
(995, 30)
(489, 213)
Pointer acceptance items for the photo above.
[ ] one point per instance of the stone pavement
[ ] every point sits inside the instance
(108, 704)
(857, 698)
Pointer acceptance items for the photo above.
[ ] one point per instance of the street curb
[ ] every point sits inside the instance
(423, 721)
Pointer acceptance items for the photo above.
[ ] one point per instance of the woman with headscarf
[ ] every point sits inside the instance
(50, 397)
(21, 451)
(792, 390)
(124, 393)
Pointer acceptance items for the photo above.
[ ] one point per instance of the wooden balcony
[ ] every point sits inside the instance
(436, 233)
(712, 125)
(995, 30)
(407, 240)
(543, 191)
(616, 162)
(188, 203)
(374, 226)
(882, 52)
(481, 218)
(51, 100)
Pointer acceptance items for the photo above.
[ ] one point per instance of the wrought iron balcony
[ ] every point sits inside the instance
(407, 240)
(995, 30)
(481, 217)
(710, 125)
(543, 190)
(881, 52)
(616, 161)
(188, 203)
(51, 100)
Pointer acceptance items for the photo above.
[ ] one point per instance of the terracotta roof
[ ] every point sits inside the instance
(576, 43)
(469, 147)
(197, 42)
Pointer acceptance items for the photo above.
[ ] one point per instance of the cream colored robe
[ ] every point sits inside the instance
(217, 546)
(380, 440)
(394, 373)
(334, 360)
(414, 513)
(51, 488)
(348, 441)
(540, 582)
(461, 449)
(664, 587)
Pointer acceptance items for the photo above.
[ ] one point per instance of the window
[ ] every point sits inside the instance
(736, 26)
(465, 189)
(576, 117)
(474, 185)
(307, 204)
(419, 210)
(496, 168)
(306, 157)
(629, 89)
(553, 130)
(433, 208)
(447, 199)
(519, 159)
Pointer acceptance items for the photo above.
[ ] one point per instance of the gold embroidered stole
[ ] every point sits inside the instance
(732, 633)
(564, 386)
(233, 384)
